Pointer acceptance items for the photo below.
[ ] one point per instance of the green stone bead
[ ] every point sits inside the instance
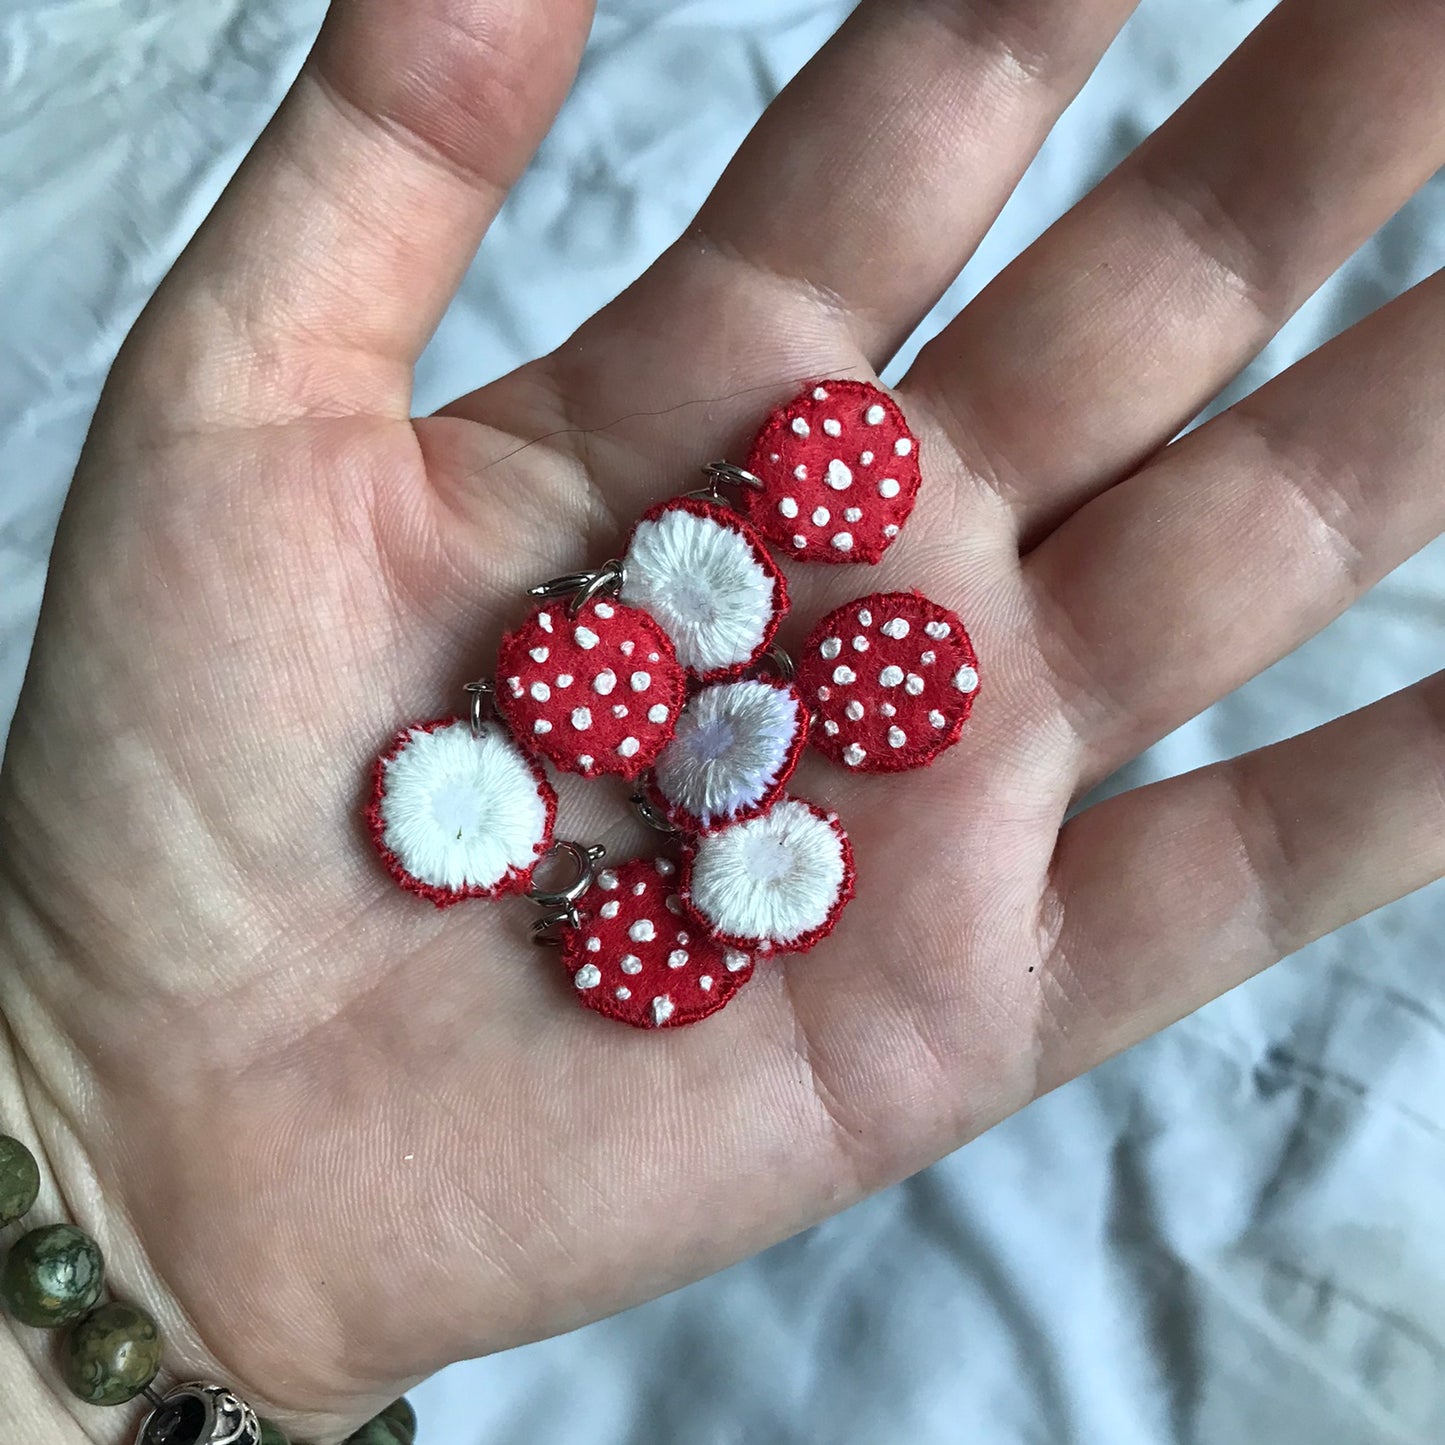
(19, 1180)
(53, 1276)
(271, 1434)
(111, 1355)
(399, 1412)
(381, 1431)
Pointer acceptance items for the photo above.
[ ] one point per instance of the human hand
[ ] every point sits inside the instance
(335, 1140)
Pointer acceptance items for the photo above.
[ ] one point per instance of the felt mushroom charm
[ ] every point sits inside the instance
(459, 812)
(706, 576)
(776, 883)
(735, 748)
(635, 957)
(839, 473)
(594, 692)
(892, 678)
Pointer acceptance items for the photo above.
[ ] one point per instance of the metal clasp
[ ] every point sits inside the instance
(721, 474)
(482, 693)
(608, 580)
(559, 905)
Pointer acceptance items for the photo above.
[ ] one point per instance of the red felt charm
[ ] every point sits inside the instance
(776, 883)
(839, 468)
(892, 677)
(457, 816)
(736, 746)
(706, 576)
(596, 693)
(637, 958)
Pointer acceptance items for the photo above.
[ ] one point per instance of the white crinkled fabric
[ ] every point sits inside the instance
(1230, 1234)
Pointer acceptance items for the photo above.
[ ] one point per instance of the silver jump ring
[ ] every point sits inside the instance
(780, 662)
(651, 814)
(718, 473)
(481, 693)
(585, 858)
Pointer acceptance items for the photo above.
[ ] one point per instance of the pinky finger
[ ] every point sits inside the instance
(1173, 893)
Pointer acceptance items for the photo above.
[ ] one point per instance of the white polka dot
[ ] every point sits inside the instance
(800, 427)
(775, 458)
(705, 983)
(896, 737)
(604, 682)
(866, 459)
(865, 617)
(564, 679)
(824, 693)
(853, 754)
(642, 931)
(622, 991)
(831, 647)
(626, 647)
(819, 394)
(541, 726)
(926, 657)
(544, 621)
(874, 415)
(937, 719)
(665, 867)
(965, 679)
(629, 747)
(936, 630)
(895, 627)
(514, 686)
(891, 530)
(672, 903)
(902, 446)
(889, 487)
(890, 676)
(585, 761)
(619, 709)
(594, 945)
(735, 961)
(631, 963)
(540, 691)
(605, 610)
(860, 643)
(799, 541)
(682, 936)
(914, 685)
(844, 675)
(581, 718)
(607, 879)
(843, 541)
(833, 427)
(662, 1010)
(887, 709)
(800, 472)
(588, 976)
(853, 514)
(820, 516)
(854, 711)
(657, 713)
(831, 728)
(677, 958)
(586, 638)
(788, 507)
(609, 909)
(539, 654)
(641, 681)
(839, 477)
(653, 657)
(638, 889)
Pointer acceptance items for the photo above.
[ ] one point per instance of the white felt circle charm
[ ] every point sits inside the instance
(706, 576)
(908, 691)
(456, 816)
(776, 882)
(598, 692)
(839, 468)
(735, 748)
(637, 958)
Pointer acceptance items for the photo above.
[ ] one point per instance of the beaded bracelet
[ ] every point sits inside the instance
(53, 1278)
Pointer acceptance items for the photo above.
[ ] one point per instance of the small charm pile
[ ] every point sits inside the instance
(661, 668)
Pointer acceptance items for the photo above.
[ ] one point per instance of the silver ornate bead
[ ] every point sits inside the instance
(200, 1414)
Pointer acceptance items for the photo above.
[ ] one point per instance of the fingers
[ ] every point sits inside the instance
(316, 281)
(1247, 536)
(1173, 893)
(1115, 328)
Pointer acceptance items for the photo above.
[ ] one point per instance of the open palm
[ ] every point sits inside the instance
(342, 1139)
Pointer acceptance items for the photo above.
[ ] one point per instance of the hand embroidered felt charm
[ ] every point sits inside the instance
(892, 677)
(735, 748)
(706, 576)
(839, 473)
(774, 883)
(635, 957)
(594, 693)
(459, 814)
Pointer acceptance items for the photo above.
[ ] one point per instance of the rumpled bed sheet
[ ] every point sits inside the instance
(1230, 1235)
